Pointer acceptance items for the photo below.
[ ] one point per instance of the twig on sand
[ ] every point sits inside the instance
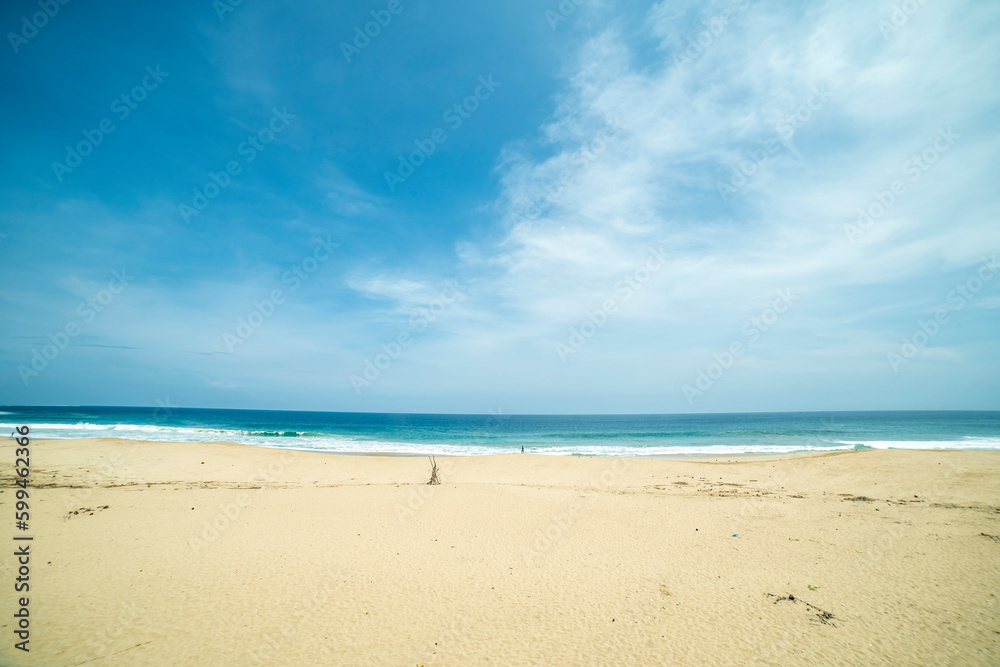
(434, 472)
(823, 617)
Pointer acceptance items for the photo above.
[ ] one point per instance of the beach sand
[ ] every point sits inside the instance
(221, 554)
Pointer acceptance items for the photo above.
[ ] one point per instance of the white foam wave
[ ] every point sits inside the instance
(968, 442)
(347, 444)
(116, 430)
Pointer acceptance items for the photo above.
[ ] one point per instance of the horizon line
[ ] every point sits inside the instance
(164, 408)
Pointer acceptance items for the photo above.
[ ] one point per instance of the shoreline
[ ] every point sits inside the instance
(672, 457)
(150, 553)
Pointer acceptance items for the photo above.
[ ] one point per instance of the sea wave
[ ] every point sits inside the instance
(334, 443)
(563, 446)
(87, 427)
(157, 433)
(967, 442)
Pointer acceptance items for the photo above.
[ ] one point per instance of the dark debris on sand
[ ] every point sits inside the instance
(822, 616)
(86, 510)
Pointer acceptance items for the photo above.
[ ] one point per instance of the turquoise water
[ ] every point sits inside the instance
(601, 435)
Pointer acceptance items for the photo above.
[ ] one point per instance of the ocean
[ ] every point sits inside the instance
(581, 435)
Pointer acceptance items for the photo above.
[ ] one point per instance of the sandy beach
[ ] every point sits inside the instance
(150, 553)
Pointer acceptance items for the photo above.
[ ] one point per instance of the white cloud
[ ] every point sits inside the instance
(685, 126)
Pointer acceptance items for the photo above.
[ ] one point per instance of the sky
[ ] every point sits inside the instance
(519, 207)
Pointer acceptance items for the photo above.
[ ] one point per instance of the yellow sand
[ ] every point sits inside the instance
(220, 554)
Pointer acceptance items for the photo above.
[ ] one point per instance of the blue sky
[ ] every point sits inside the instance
(517, 207)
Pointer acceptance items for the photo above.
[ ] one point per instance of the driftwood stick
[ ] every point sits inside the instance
(434, 471)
